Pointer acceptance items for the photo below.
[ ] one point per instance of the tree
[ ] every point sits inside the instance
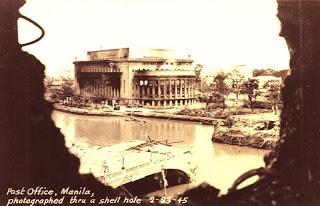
(274, 95)
(205, 87)
(59, 89)
(198, 68)
(237, 80)
(220, 88)
(250, 88)
(67, 88)
(85, 98)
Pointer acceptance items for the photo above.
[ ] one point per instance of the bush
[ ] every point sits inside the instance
(184, 112)
(212, 106)
(258, 105)
(221, 114)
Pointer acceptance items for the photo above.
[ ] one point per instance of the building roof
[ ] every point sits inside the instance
(134, 53)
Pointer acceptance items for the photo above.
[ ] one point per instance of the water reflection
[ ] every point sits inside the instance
(203, 151)
(104, 131)
(218, 164)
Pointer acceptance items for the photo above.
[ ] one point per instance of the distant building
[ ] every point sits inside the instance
(154, 77)
(53, 83)
(268, 79)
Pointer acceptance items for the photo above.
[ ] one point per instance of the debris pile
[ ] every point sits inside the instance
(261, 134)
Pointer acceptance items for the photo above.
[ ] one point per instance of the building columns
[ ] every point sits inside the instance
(153, 89)
(164, 89)
(170, 92)
(146, 90)
(181, 88)
(175, 89)
(114, 92)
(159, 89)
(189, 88)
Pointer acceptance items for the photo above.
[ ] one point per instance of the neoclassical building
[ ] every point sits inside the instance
(153, 77)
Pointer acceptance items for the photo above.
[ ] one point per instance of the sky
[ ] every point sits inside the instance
(216, 33)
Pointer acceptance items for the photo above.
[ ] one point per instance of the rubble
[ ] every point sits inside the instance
(262, 134)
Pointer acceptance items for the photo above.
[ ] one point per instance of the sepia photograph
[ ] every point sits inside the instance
(160, 102)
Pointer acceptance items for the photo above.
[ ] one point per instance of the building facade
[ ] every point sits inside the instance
(153, 77)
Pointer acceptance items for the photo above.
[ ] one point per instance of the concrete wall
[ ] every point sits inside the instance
(170, 64)
(124, 81)
(77, 68)
(111, 54)
(158, 53)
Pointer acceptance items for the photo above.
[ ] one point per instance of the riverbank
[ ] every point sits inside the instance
(139, 112)
(85, 111)
(245, 130)
(249, 141)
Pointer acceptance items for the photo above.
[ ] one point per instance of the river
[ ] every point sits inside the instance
(218, 164)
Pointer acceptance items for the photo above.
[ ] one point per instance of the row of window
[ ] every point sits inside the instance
(167, 91)
(165, 63)
(163, 82)
(108, 58)
(162, 94)
(99, 69)
(165, 102)
(161, 69)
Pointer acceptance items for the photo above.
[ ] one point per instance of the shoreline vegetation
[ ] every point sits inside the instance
(257, 130)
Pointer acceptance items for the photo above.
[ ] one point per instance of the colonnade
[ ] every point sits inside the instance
(101, 89)
(161, 91)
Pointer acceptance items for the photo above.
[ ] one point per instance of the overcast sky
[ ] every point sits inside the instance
(216, 33)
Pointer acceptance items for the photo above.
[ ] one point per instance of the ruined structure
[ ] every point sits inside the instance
(153, 77)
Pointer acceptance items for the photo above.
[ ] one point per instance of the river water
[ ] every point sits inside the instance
(218, 164)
